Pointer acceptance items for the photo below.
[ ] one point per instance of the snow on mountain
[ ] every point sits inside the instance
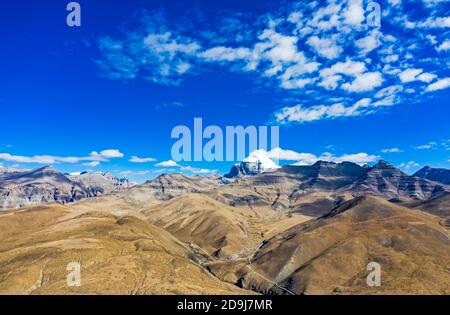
(256, 163)
(261, 159)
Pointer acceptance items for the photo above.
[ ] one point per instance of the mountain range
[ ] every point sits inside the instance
(261, 229)
(20, 188)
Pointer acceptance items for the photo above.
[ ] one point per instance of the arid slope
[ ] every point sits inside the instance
(119, 255)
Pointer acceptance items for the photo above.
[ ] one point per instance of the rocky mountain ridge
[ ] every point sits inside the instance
(20, 188)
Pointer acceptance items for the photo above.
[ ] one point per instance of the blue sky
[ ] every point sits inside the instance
(92, 97)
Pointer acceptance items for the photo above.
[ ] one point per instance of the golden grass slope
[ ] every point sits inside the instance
(330, 255)
(119, 254)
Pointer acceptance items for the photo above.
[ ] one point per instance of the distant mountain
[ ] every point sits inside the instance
(317, 189)
(383, 179)
(168, 186)
(440, 175)
(40, 186)
(100, 182)
(20, 188)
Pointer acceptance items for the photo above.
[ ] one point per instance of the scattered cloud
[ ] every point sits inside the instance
(133, 173)
(439, 85)
(358, 158)
(364, 82)
(199, 171)
(370, 42)
(169, 163)
(108, 154)
(92, 164)
(409, 165)
(410, 75)
(354, 13)
(313, 51)
(136, 159)
(445, 46)
(392, 150)
(310, 158)
(103, 156)
(325, 47)
(428, 146)
(300, 114)
(174, 104)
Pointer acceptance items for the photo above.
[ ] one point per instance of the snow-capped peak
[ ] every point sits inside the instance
(261, 157)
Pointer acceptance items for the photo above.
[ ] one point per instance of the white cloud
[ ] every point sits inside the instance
(166, 44)
(169, 163)
(435, 22)
(364, 82)
(293, 76)
(431, 39)
(392, 150)
(296, 83)
(369, 43)
(358, 158)
(325, 18)
(332, 76)
(194, 170)
(432, 3)
(286, 50)
(389, 91)
(108, 154)
(303, 158)
(133, 173)
(226, 54)
(429, 145)
(354, 13)
(412, 74)
(409, 165)
(391, 58)
(301, 114)
(289, 155)
(349, 68)
(426, 77)
(136, 159)
(279, 48)
(438, 85)
(103, 156)
(395, 2)
(445, 46)
(409, 75)
(92, 164)
(331, 82)
(325, 47)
